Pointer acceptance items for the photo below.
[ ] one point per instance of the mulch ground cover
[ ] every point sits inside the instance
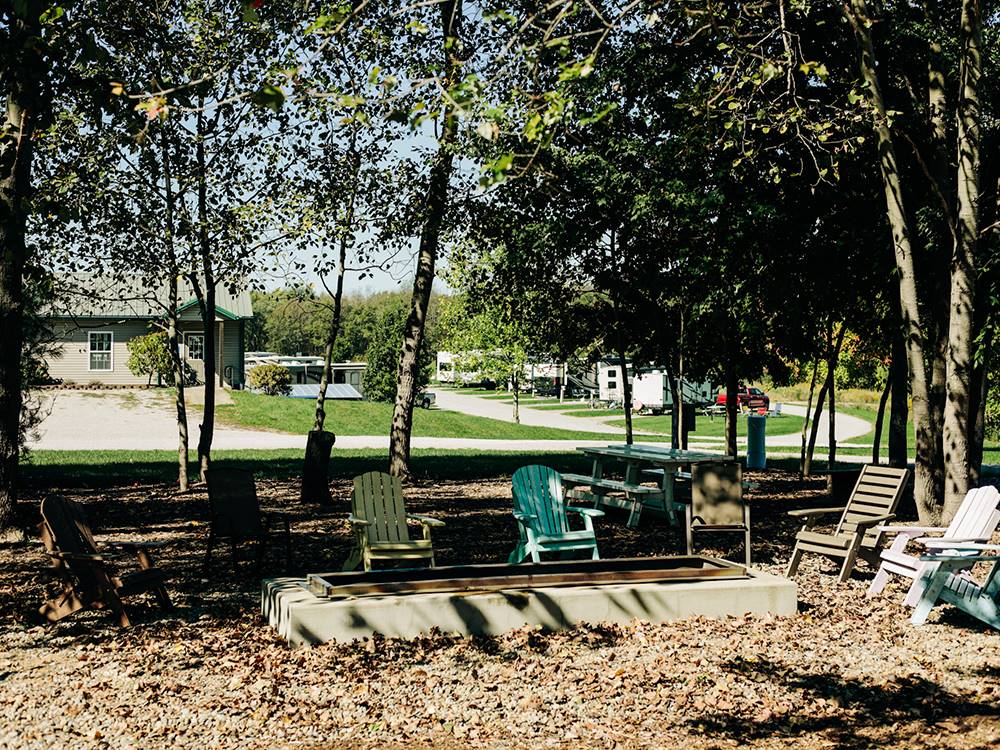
(844, 672)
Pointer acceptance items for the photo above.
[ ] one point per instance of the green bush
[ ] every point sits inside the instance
(271, 380)
(149, 355)
(382, 357)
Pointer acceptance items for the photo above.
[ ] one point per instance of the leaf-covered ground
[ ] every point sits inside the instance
(844, 672)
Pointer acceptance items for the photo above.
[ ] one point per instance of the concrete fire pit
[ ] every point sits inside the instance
(491, 599)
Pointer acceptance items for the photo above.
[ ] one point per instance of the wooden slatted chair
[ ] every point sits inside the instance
(89, 577)
(717, 503)
(541, 512)
(873, 502)
(976, 520)
(237, 516)
(948, 580)
(379, 519)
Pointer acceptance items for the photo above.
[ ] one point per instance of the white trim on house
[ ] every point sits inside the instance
(110, 351)
(187, 347)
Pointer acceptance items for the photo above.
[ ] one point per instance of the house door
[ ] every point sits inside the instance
(194, 353)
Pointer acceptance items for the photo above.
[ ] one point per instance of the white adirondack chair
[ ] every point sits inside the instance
(976, 520)
(949, 581)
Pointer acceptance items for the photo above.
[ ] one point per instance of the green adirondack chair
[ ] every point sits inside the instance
(947, 579)
(379, 519)
(541, 512)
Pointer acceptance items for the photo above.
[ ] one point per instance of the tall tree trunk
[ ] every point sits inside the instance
(805, 422)
(315, 485)
(732, 398)
(206, 301)
(963, 282)
(173, 334)
(899, 410)
(880, 420)
(626, 391)
(515, 384)
(832, 369)
(977, 420)
(814, 426)
(682, 428)
(675, 425)
(22, 78)
(928, 510)
(435, 207)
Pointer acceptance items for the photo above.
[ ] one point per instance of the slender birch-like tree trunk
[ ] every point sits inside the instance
(626, 391)
(205, 290)
(434, 211)
(856, 12)
(963, 281)
(173, 334)
(805, 422)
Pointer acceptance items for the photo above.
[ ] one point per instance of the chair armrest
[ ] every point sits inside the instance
(355, 521)
(425, 520)
(938, 542)
(82, 556)
(962, 546)
(810, 512)
(592, 512)
(524, 517)
(911, 530)
(137, 545)
(876, 521)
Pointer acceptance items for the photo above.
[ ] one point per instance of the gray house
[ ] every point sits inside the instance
(94, 319)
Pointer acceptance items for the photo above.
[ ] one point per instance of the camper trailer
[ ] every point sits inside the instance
(651, 391)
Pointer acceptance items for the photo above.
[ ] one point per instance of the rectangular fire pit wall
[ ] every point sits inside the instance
(491, 599)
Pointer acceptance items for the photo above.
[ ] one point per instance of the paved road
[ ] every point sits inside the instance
(144, 420)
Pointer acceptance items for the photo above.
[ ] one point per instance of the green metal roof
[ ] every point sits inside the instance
(84, 295)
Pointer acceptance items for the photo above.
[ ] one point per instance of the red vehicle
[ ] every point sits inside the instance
(746, 398)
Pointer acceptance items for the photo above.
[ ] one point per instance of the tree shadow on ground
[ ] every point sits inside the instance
(850, 706)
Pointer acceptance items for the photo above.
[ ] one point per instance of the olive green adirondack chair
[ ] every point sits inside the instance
(872, 503)
(540, 509)
(90, 578)
(379, 519)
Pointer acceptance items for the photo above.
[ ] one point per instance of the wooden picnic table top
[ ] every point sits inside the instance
(653, 454)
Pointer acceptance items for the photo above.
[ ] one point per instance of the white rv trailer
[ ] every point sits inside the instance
(651, 387)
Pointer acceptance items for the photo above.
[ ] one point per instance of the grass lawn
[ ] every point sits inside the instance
(370, 418)
(705, 427)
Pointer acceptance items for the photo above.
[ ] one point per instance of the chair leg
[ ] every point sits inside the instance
(746, 543)
(208, 551)
(353, 560)
(879, 582)
(163, 598)
(932, 584)
(848, 567)
(793, 564)
(595, 555)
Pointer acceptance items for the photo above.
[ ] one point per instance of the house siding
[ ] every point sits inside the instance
(71, 361)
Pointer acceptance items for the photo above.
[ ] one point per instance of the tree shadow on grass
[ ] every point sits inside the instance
(864, 710)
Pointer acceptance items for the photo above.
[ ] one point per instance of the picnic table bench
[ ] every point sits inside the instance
(631, 494)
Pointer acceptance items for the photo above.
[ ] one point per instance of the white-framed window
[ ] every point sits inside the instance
(100, 355)
(195, 345)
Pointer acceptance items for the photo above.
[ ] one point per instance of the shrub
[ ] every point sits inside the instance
(149, 355)
(271, 380)
(382, 357)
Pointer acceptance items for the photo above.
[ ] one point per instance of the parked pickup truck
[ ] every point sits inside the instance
(748, 398)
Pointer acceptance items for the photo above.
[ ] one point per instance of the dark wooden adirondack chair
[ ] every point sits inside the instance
(89, 577)
(237, 517)
(858, 534)
(379, 519)
(540, 509)
(717, 503)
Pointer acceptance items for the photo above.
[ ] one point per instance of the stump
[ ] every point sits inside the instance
(315, 470)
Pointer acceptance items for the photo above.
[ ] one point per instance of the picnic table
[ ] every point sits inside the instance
(630, 493)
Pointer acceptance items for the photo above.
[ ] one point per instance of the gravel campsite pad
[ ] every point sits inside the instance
(844, 672)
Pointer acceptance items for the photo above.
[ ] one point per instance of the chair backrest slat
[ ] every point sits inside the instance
(378, 498)
(717, 493)
(67, 530)
(232, 495)
(538, 491)
(977, 516)
(876, 493)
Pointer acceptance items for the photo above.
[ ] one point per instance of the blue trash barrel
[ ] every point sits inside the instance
(756, 451)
